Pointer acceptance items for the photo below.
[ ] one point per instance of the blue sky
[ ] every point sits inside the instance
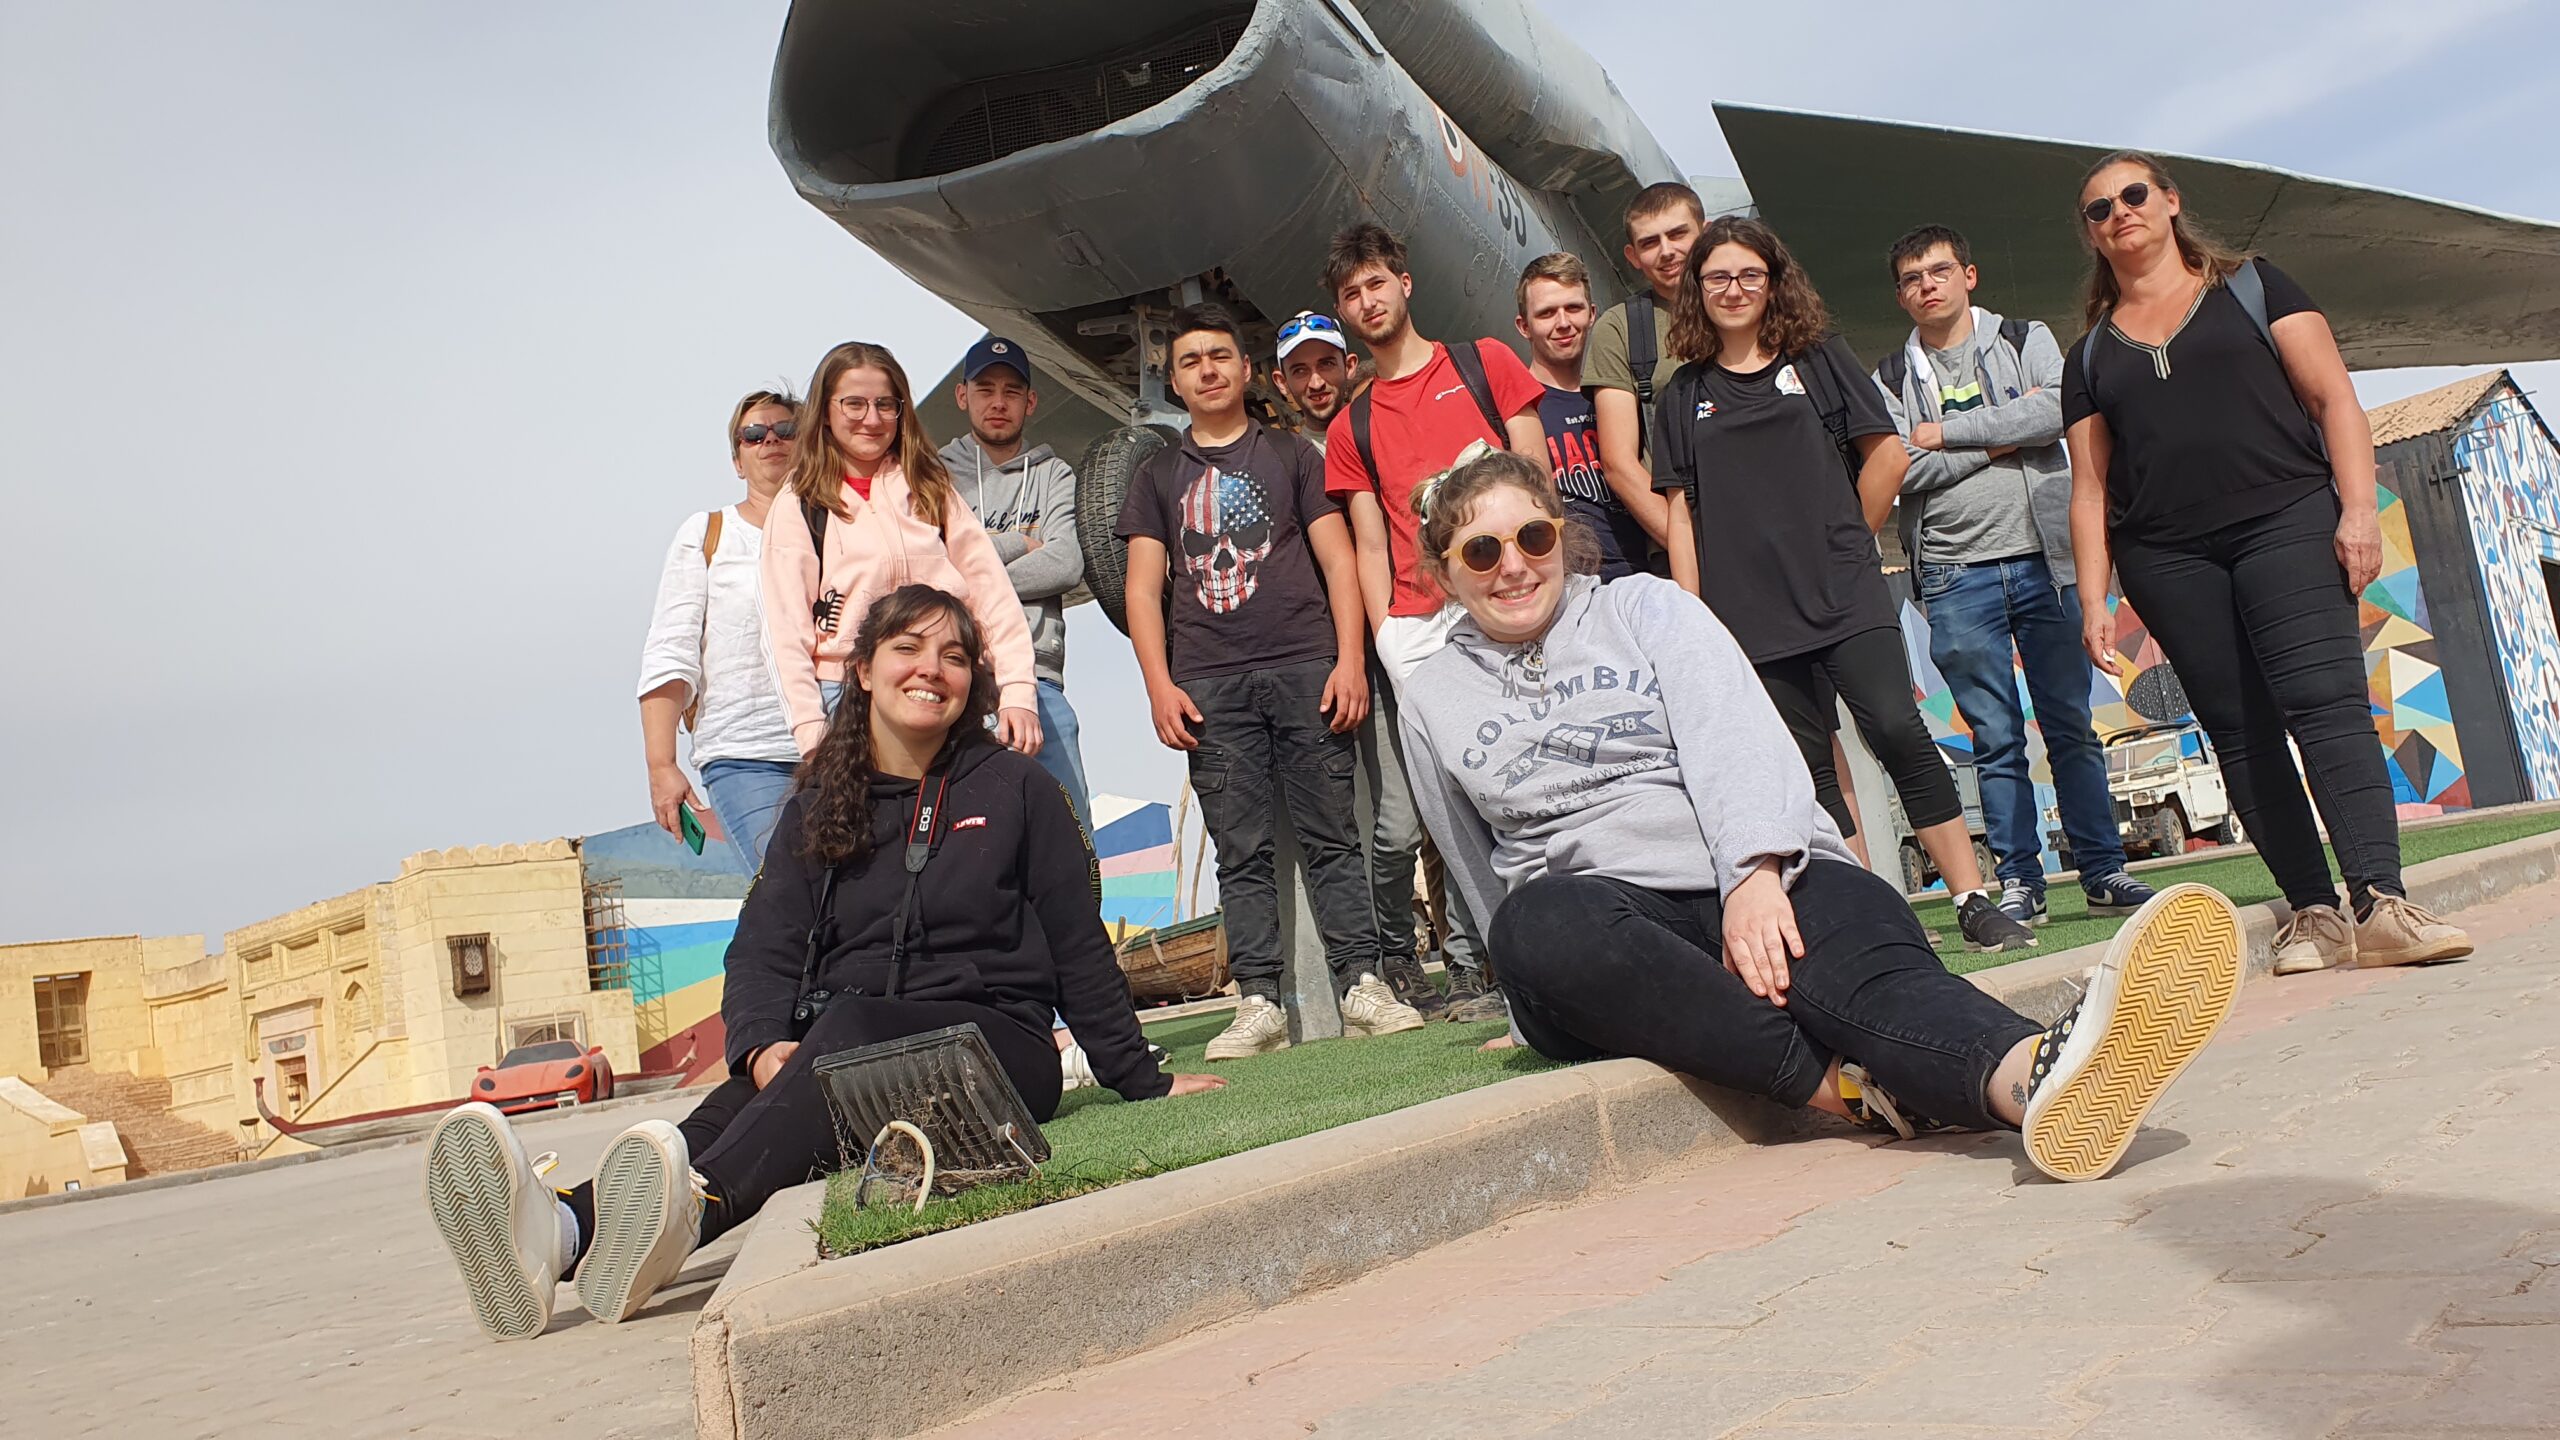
(357, 362)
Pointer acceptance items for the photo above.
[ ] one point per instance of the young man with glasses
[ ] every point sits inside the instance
(1428, 404)
(1026, 499)
(1629, 361)
(1986, 520)
(1244, 610)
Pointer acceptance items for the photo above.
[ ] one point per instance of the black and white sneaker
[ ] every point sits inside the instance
(2166, 984)
(2117, 894)
(1873, 1109)
(1988, 930)
(2023, 901)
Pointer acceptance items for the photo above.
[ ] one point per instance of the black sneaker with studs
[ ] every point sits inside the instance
(1987, 929)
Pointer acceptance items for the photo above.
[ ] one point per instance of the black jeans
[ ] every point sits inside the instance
(1260, 729)
(2259, 622)
(751, 1144)
(1870, 674)
(1597, 967)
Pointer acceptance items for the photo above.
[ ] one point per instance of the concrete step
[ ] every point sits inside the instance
(156, 1142)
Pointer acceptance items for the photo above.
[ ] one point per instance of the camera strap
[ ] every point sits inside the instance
(817, 938)
(924, 827)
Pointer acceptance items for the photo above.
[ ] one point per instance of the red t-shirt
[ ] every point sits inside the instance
(862, 486)
(1417, 425)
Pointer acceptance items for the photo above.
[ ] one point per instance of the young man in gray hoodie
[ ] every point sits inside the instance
(1026, 499)
(1986, 520)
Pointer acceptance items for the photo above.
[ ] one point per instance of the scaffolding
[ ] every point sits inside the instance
(608, 937)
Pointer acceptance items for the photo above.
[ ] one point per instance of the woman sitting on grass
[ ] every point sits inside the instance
(1610, 782)
(998, 929)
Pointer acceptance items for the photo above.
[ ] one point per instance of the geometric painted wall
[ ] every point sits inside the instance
(2405, 681)
(2510, 473)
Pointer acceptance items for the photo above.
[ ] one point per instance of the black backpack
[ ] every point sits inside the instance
(1642, 357)
(1897, 366)
(1470, 365)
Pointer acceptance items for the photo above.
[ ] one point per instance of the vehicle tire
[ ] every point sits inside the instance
(603, 1088)
(1102, 484)
(1985, 861)
(2231, 831)
(1915, 868)
(2169, 830)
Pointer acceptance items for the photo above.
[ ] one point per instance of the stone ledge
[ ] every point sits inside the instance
(899, 1339)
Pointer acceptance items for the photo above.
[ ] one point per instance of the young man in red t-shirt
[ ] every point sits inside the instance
(1419, 412)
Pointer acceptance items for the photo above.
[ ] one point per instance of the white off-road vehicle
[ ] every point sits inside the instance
(2167, 789)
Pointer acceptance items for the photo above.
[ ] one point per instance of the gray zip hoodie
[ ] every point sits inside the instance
(2030, 421)
(1029, 497)
(1632, 740)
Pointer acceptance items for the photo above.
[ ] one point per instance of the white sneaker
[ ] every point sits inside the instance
(2318, 937)
(1370, 1008)
(499, 1217)
(648, 1220)
(1258, 1029)
(1075, 1069)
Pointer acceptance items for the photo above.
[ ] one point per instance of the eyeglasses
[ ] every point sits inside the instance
(2134, 196)
(1483, 553)
(1938, 274)
(1752, 281)
(758, 434)
(857, 406)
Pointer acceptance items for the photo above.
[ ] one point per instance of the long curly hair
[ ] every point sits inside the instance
(817, 474)
(835, 781)
(1796, 319)
(2202, 253)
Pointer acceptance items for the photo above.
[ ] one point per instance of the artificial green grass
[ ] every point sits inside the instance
(2242, 877)
(1097, 1140)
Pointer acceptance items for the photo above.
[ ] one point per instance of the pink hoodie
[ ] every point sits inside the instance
(885, 545)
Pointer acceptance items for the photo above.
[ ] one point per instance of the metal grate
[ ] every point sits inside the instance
(947, 1084)
(608, 937)
(995, 118)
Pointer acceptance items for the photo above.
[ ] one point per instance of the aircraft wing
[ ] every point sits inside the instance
(2403, 280)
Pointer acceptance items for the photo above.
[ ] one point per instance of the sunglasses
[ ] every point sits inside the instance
(1483, 553)
(779, 430)
(2134, 196)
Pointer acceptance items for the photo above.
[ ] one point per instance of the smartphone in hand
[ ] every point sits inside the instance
(692, 829)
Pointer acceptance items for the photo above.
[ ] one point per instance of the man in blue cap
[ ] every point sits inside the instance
(1026, 499)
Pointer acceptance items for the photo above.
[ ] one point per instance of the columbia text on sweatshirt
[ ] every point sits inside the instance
(1028, 506)
(1633, 740)
(883, 546)
(1006, 916)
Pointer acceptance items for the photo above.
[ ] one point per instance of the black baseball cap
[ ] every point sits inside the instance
(991, 351)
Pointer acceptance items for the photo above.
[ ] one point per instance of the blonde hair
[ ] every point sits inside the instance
(1454, 499)
(757, 399)
(1563, 267)
(2201, 252)
(817, 475)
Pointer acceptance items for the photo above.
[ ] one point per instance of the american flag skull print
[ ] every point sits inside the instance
(1226, 535)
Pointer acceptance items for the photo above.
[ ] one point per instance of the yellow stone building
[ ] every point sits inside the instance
(388, 996)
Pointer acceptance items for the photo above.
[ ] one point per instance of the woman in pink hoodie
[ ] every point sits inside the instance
(875, 510)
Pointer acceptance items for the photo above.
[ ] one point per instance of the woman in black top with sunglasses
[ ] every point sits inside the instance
(922, 876)
(2220, 459)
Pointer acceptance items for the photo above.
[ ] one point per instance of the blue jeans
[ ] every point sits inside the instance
(747, 795)
(1976, 613)
(1061, 756)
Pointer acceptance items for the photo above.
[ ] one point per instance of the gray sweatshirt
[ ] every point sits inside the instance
(2024, 409)
(1029, 497)
(1565, 756)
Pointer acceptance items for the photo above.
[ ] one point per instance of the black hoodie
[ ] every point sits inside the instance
(1007, 915)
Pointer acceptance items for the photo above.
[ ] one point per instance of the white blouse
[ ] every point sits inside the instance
(708, 631)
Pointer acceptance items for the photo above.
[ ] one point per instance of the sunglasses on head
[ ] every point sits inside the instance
(2134, 197)
(779, 430)
(1483, 553)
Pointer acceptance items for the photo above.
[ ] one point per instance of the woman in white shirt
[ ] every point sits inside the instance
(705, 664)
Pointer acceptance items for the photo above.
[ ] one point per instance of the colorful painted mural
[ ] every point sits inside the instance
(679, 910)
(1134, 841)
(2510, 472)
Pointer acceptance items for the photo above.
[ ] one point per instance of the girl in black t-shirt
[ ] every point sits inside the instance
(2220, 458)
(1773, 525)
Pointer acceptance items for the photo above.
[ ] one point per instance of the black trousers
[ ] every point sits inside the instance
(1260, 733)
(1868, 672)
(750, 1144)
(1596, 967)
(2263, 632)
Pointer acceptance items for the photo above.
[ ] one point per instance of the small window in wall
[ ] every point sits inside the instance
(62, 1020)
(538, 1032)
(471, 963)
(359, 1009)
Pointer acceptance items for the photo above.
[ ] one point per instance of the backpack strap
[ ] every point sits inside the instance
(1642, 358)
(710, 547)
(1893, 370)
(2016, 331)
(1470, 365)
(2250, 289)
(817, 517)
(1827, 403)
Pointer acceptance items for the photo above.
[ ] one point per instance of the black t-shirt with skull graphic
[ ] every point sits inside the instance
(1245, 592)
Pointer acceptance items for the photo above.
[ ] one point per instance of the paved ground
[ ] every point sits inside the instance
(316, 1301)
(2342, 1223)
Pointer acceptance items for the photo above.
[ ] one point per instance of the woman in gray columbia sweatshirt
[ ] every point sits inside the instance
(1609, 781)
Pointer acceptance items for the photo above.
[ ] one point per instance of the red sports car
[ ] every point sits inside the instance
(538, 1077)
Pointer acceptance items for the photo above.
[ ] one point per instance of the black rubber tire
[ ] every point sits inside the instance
(1102, 484)
(1915, 868)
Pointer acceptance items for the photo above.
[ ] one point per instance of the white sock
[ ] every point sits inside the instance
(1969, 894)
(569, 1234)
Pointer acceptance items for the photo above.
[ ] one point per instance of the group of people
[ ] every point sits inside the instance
(1484, 580)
